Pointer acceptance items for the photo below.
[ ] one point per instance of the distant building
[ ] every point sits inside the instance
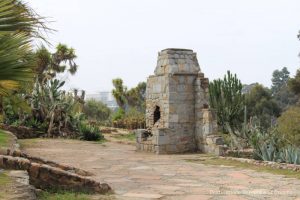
(105, 97)
(247, 88)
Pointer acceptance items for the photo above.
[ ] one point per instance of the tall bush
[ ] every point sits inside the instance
(289, 125)
(96, 110)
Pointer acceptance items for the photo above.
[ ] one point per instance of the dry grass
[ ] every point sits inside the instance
(211, 160)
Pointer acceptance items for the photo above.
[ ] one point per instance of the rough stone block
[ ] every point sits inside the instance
(162, 140)
(171, 148)
(174, 118)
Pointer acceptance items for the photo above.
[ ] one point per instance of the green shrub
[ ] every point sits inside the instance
(33, 123)
(96, 110)
(132, 119)
(289, 125)
(89, 132)
(119, 114)
(16, 123)
(261, 104)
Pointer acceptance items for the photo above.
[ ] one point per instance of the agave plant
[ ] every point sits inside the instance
(267, 151)
(290, 155)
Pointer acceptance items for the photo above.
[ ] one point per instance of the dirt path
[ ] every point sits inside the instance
(135, 175)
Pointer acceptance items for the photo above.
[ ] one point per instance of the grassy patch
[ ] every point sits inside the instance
(65, 195)
(62, 196)
(130, 137)
(4, 178)
(4, 139)
(4, 182)
(28, 142)
(218, 161)
(102, 141)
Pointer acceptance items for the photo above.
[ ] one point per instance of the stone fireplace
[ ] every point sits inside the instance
(178, 117)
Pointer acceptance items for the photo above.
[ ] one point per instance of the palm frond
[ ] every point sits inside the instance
(18, 25)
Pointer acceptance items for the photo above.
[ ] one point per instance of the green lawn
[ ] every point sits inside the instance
(46, 195)
(62, 196)
(4, 179)
(4, 139)
(4, 182)
(218, 161)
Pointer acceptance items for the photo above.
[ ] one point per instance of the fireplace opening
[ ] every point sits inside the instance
(156, 114)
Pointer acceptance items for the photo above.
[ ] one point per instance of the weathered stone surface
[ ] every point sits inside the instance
(43, 176)
(18, 187)
(14, 163)
(214, 139)
(18, 153)
(177, 111)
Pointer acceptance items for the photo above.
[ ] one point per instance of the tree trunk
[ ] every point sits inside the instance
(51, 124)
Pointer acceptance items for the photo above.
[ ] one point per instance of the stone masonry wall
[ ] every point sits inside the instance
(180, 91)
(44, 176)
(157, 95)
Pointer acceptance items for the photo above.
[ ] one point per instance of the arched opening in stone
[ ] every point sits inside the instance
(205, 106)
(156, 114)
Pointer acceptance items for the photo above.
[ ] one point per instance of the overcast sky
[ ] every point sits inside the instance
(121, 38)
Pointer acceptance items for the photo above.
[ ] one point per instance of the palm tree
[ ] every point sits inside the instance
(18, 25)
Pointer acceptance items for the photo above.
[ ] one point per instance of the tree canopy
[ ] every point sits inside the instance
(262, 105)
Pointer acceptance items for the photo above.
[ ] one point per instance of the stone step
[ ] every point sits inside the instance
(20, 188)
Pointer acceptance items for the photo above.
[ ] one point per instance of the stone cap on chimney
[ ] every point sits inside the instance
(177, 61)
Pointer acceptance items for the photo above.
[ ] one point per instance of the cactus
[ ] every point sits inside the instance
(227, 99)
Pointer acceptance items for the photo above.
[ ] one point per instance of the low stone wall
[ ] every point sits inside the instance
(22, 132)
(47, 177)
(213, 144)
(18, 153)
(274, 165)
(14, 163)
